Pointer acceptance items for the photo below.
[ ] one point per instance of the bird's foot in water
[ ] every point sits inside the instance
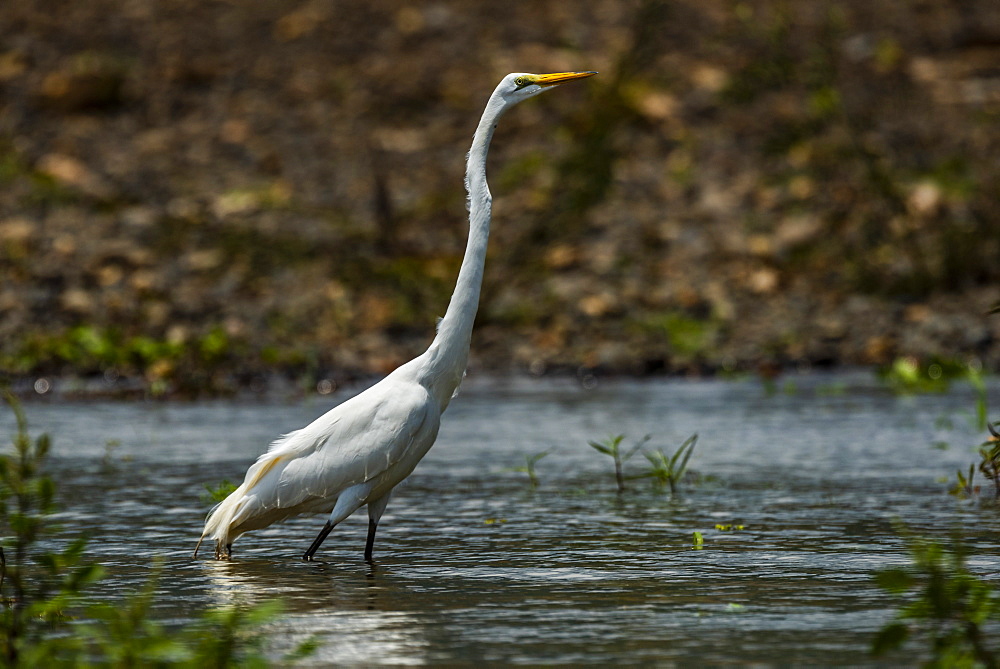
(224, 554)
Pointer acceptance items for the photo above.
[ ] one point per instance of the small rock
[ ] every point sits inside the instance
(16, 230)
(596, 306)
(64, 245)
(160, 369)
(925, 198)
(760, 245)
(235, 202)
(203, 259)
(709, 78)
(77, 300)
(73, 173)
(796, 231)
(156, 314)
(656, 105)
(12, 65)
(139, 216)
(802, 187)
(109, 275)
(143, 280)
(917, 313)
(880, 349)
(561, 256)
(763, 281)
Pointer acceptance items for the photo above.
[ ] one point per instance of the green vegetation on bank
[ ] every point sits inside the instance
(943, 603)
(45, 619)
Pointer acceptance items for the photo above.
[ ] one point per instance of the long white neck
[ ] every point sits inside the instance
(448, 354)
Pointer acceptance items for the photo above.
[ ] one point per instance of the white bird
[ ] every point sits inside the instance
(356, 453)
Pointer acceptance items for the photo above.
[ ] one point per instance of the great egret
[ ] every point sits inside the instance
(356, 453)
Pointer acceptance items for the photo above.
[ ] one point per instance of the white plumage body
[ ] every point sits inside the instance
(353, 455)
(356, 453)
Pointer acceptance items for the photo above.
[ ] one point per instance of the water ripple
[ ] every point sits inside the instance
(796, 508)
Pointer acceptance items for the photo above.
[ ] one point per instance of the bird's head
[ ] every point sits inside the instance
(518, 86)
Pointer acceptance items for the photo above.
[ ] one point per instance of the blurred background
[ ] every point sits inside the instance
(203, 196)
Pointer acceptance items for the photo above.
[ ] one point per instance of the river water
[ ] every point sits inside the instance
(797, 498)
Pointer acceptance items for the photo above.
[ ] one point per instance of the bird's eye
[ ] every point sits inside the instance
(520, 81)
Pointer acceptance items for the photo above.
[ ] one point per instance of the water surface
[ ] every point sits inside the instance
(473, 565)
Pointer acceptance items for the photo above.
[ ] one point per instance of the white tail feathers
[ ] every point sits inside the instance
(219, 524)
(222, 524)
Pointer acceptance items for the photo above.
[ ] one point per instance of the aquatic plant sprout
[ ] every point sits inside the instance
(975, 378)
(963, 484)
(612, 447)
(670, 469)
(529, 467)
(990, 463)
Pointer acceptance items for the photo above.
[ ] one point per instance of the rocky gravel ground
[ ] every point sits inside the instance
(201, 197)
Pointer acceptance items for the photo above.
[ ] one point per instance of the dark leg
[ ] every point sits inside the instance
(372, 526)
(319, 540)
(223, 553)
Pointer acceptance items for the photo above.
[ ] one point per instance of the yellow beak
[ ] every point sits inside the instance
(560, 77)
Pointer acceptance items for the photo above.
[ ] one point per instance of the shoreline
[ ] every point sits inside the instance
(282, 386)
